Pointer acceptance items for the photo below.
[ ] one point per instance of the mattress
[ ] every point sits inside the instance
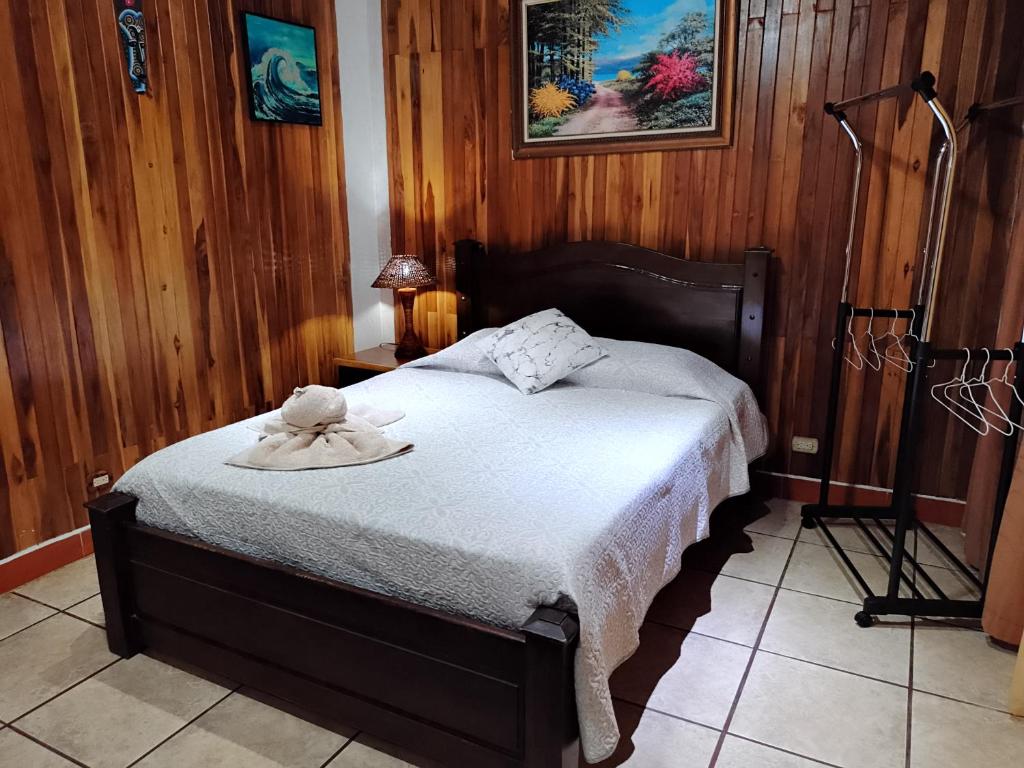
(582, 496)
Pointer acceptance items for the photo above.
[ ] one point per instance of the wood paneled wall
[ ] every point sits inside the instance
(784, 184)
(166, 265)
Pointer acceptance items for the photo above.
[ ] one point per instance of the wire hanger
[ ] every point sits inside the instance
(859, 363)
(917, 339)
(903, 361)
(967, 392)
(872, 349)
(953, 406)
(1005, 378)
(1005, 381)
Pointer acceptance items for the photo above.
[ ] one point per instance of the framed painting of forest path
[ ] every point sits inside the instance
(596, 76)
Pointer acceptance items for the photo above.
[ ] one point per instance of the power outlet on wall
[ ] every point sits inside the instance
(805, 445)
(100, 480)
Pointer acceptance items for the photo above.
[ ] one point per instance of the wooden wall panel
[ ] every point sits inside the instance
(784, 184)
(167, 265)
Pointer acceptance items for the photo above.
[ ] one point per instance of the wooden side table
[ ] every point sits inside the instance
(365, 365)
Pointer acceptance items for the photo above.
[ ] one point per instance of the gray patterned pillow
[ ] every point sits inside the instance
(541, 349)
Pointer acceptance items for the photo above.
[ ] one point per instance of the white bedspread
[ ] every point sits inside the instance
(580, 495)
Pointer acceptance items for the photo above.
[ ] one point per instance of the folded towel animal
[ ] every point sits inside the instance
(312, 406)
(318, 430)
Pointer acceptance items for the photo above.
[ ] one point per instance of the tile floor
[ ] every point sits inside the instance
(750, 659)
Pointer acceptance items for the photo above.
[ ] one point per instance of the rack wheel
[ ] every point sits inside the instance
(864, 619)
(809, 523)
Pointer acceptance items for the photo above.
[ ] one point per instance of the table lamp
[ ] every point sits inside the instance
(405, 273)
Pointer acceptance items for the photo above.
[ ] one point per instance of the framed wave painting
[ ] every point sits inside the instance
(596, 76)
(281, 64)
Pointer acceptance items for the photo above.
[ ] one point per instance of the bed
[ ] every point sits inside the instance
(444, 613)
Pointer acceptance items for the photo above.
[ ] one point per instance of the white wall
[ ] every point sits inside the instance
(361, 61)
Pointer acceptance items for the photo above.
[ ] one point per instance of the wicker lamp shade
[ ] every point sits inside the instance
(404, 271)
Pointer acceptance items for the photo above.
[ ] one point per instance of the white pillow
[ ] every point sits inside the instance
(464, 356)
(541, 349)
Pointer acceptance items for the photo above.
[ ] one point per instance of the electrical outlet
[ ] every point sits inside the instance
(805, 445)
(100, 480)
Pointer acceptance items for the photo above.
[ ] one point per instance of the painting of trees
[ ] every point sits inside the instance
(676, 79)
(563, 36)
(611, 69)
(692, 36)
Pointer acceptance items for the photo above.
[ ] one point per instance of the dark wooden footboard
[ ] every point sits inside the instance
(451, 689)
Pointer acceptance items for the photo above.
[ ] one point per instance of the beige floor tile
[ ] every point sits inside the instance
(653, 740)
(929, 554)
(948, 734)
(824, 714)
(64, 587)
(18, 752)
(819, 571)
(117, 716)
(783, 519)
(243, 732)
(719, 606)
(689, 676)
(847, 533)
(764, 564)
(852, 539)
(822, 630)
(45, 659)
(953, 584)
(740, 753)
(17, 612)
(367, 752)
(90, 610)
(962, 664)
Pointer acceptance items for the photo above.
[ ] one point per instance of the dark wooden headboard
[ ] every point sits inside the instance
(624, 292)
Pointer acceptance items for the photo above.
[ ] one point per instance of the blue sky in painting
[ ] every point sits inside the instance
(268, 33)
(648, 22)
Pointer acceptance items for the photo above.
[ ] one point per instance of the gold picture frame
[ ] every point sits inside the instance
(674, 89)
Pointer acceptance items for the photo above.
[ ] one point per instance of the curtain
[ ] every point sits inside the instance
(1004, 608)
(1004, 611)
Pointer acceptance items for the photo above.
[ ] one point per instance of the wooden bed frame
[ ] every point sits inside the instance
(447, 687)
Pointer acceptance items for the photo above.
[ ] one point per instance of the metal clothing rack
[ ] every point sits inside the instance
(870, 520)
(977, 110)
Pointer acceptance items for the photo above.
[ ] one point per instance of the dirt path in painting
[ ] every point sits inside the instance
(606, 112)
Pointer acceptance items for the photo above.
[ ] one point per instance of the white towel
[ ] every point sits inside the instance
(317, 430)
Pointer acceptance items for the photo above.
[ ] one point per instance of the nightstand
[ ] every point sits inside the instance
(365, 365)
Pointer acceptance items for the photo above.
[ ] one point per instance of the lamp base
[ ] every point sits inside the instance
(412, 351)
(410, 347)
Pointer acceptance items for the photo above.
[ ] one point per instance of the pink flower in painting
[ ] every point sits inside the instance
(674, 76)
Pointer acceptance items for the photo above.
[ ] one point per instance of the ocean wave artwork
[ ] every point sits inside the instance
(283, 78)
